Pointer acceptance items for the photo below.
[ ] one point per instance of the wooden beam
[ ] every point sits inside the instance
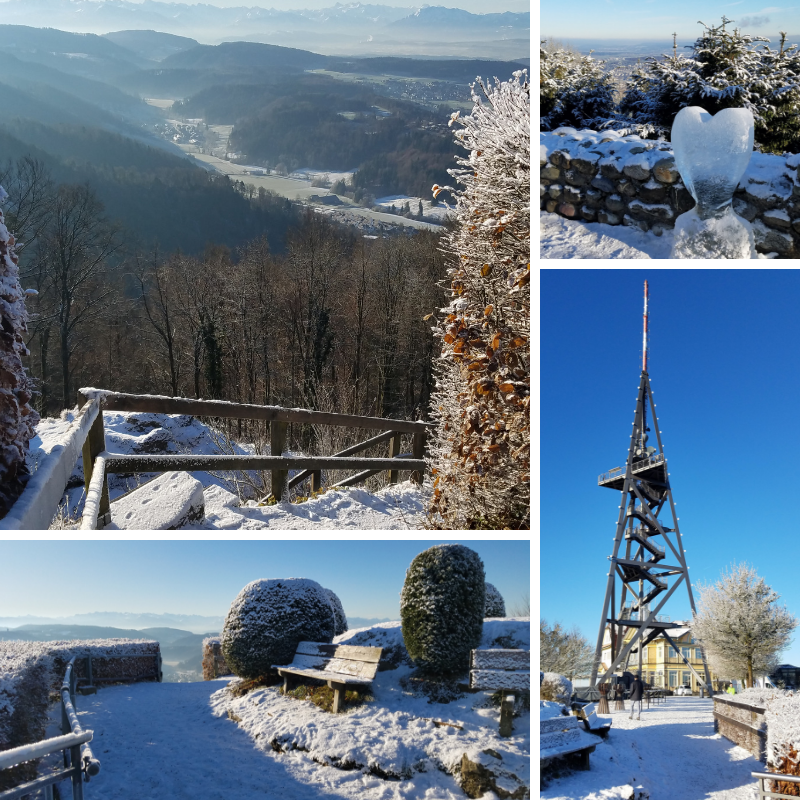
(156, 404)
(95, 444)
(185, 463)
(394, 451)
(277, 444)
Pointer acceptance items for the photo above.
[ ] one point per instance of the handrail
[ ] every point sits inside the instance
(638, 466)
(161, 404)
(761, 777)
(38, 504)
(78, 767)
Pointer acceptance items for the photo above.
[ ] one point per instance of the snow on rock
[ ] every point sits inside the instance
(611, 146)
(167, 502)
(399, 506)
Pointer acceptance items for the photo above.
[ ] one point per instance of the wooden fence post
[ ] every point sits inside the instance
(418, 451)
(394, 451)
(316, 480)
(94, 445)
(277, 443)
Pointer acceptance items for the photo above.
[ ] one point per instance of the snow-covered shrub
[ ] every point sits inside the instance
(783, 739)
(555, 687)
(480, 449)
(340, 620)
(495, 605)
(17, 419)
(269, 618)
(574, 91)
(727, 69)
(441, 608)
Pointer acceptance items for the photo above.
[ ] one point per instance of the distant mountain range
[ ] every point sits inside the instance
(193, 623)
(344, 29)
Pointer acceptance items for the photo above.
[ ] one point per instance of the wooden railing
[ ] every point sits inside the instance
(79, 761)
(39, 502)
(763, 777)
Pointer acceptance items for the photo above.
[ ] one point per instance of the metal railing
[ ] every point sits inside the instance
(762, 777)
(638, 466)
(629, 613)
(79, 761)
(642, 534)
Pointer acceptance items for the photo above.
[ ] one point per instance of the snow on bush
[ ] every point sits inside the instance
(480, 449)
(17, 419)
(29, 671)
(556, 688)
(441, 608)
(267, 621)
(339, 618)
(495, 605)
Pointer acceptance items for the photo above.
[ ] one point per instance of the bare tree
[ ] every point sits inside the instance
(565, 652)
(740, 624)
(73, 252)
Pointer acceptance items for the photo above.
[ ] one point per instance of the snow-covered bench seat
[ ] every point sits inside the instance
(341, 666)
(564, 736)
(591, 721)
(508, 671)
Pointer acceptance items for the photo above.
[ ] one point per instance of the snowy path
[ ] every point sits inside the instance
(673, 753)
(160, 740)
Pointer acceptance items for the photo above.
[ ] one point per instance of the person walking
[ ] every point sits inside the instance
(731, 689)
(637, 693)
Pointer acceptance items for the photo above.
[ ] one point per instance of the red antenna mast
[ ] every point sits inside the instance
(645, 336)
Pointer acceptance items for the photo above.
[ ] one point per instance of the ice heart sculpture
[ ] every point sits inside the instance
(712, 154)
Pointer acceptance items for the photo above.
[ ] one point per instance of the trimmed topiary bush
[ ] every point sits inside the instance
(555, 687)
(339, 618)
(495, 605)
(441, 608)
(267, 621)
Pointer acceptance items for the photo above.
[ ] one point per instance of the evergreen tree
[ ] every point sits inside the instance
(574, 90)
(727, 69)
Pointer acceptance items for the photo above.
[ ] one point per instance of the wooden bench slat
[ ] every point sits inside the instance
(493, 679)
(348, 651)
(322, 675)
(501, 659)
(338, 666)
(559, 724)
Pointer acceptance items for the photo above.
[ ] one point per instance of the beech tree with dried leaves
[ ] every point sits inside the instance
(480, 451)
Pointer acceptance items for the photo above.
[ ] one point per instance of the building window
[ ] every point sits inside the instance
(698, 654)
(687, 678)
(673, 678)
(687, 653)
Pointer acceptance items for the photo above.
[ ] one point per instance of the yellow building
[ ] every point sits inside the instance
(662, 666)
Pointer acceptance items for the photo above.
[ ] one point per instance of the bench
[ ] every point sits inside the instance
(508, 671)
(564, 736)
(341, 666)
(593, 723)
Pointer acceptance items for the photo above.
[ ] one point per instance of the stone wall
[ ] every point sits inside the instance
(214, 665)
(741, 724)
(625, 180)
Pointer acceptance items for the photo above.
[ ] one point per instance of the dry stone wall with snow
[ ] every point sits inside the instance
(626, 180)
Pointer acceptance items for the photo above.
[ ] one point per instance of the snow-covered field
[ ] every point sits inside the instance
(672, 753)
(399, 507)
(431, 209)
(194, 740)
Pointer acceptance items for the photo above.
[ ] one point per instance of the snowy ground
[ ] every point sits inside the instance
(399, 507)
(194, 741)
(567, 238)
(431, 209)
(673, 753)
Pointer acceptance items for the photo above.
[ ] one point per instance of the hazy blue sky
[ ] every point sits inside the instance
(725, 372)
(633, 19)
(53, 578)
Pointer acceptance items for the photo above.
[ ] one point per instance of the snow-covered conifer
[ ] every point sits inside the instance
(495, 605)
(340, 620)
(740, 624)
(269, 618)
(441, 608)
(480, 451)
(574, 90)
(17, 419)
